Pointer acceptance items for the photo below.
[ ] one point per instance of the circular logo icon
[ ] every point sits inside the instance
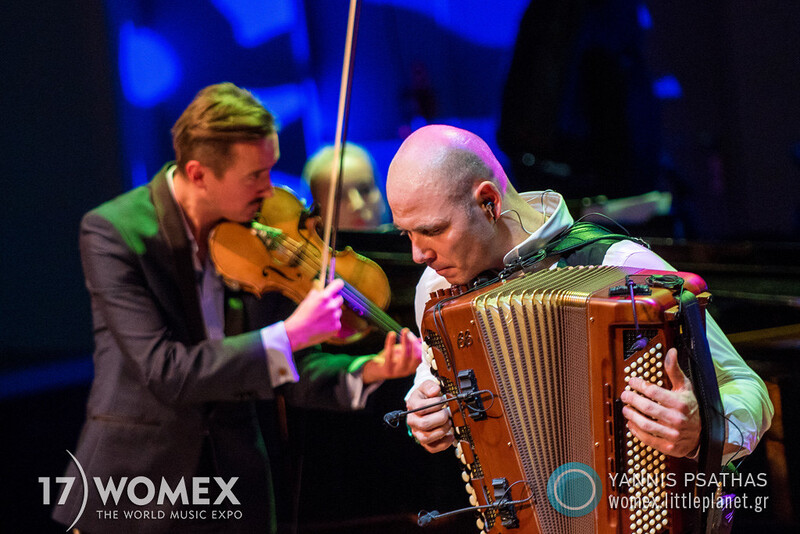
(574, 489)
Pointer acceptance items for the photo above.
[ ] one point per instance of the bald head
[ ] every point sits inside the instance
(446, 190)
(318, 166)
(361, 205)
(450, 195)
(444, 158)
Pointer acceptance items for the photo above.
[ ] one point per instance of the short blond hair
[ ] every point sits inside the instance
(219, 116)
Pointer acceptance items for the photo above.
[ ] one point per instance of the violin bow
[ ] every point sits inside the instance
(335, 190)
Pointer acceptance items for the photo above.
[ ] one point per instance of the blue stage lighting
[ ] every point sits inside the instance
(477, 21)
(254, 21)
(645, 19)
(149, 69)
(667, 88)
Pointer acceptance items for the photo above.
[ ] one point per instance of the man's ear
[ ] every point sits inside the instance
(195, 173)
(488, 197)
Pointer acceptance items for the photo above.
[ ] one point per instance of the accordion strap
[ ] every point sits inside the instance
(704, 381)
(570, 241)
(584, 233)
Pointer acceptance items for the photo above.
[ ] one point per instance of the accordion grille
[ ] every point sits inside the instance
(537, 342)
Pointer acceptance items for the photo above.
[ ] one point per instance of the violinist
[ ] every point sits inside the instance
(179, 359)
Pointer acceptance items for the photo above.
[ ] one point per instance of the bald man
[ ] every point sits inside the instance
(361, 206)
(450, 195)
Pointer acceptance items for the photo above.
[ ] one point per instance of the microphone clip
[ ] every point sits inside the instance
(504, 505)
(393, 418)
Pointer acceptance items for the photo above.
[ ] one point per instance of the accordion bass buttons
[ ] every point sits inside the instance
(460, 453)
(464, 453)
(427, 353)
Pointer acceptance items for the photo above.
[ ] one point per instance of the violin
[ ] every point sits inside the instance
(281, 251)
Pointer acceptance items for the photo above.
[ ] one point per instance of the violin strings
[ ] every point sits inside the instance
(298, 251)
(376, 312)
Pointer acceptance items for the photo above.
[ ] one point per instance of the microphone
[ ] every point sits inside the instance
(427, 517)
(393, 418)
(424, 518)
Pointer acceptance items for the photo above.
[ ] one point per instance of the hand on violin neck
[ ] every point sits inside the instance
(396, 360)
(317, 317)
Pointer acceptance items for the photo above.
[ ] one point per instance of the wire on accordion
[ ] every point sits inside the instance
(393, 418)
(424, 518)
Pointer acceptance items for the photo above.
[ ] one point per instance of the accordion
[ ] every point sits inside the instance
(533, 368)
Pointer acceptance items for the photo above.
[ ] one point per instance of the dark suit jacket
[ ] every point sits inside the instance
(165, 401)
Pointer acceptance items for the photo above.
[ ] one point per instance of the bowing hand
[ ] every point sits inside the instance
(666, 419)
(317, 318)
(396, 360)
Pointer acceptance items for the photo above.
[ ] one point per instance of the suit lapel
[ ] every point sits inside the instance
(170, 221)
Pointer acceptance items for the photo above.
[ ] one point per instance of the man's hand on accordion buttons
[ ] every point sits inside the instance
(666, 419)
(431, 427)
(396, 360)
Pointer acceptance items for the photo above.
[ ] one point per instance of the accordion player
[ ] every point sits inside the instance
(464, 218)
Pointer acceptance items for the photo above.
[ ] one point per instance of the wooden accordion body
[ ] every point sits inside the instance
(554, 351)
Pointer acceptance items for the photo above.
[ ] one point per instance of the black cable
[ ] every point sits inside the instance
(393, 418)
(424, 518)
